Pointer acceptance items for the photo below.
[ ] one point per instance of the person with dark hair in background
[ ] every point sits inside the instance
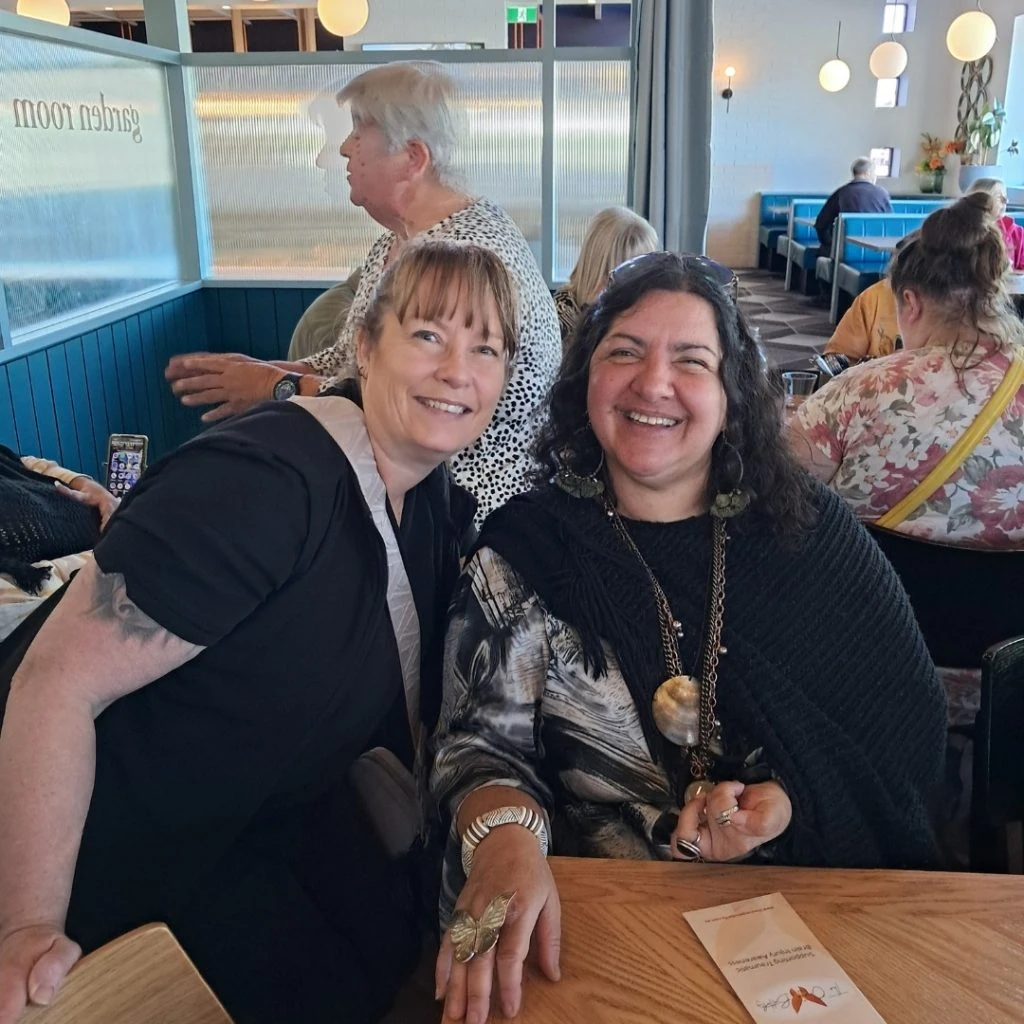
(178, 739)
(859, 195)
(647, 656)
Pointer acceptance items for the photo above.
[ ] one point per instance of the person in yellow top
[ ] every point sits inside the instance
(868, 328)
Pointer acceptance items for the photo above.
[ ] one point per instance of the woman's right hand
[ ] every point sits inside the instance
(34, 961)
(507, 860)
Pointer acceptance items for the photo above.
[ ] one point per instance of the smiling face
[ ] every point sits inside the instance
(431, 385)
(656, 401)
(374, 173)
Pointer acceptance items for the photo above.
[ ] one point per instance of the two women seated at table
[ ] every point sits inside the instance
(646, 656)
(267, 603)
(875, 433)
(613, 236)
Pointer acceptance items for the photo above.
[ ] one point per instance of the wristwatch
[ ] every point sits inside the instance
(491, 820)
(287, 387)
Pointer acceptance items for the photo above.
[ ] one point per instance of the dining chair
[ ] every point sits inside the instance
(997, 799)
(143, 977)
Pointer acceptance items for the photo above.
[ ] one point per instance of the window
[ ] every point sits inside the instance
(891, 92)
(886, 161)
(894, 18)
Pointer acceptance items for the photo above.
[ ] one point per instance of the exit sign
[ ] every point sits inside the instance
(521, 15)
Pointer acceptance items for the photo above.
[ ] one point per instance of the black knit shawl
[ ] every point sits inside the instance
(38, 523)
(825, 666)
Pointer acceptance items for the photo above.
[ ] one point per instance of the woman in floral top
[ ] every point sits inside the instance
(875, 432)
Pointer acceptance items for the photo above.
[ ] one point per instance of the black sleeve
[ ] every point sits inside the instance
(206, 536)
(825, 220)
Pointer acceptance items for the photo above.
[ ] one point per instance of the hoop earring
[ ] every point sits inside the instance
(727, 504)
(589, 486)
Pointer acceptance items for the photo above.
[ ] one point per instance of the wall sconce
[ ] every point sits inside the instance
(727, 93)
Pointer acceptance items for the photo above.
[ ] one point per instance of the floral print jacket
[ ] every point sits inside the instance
(886, 423)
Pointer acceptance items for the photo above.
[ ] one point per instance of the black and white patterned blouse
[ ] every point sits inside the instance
(496, 466)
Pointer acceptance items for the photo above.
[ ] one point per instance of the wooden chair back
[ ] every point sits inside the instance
(143, 977)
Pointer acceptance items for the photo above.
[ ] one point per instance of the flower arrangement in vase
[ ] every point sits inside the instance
(931, 168)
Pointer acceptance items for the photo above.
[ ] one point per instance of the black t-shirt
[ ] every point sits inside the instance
(254, 541)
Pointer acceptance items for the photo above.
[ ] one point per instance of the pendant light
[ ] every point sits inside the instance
(888, 60)
(342, 17)
(971, 35)
(834, 74)
(55, 11)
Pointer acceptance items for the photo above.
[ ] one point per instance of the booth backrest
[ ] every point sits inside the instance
(872, 225)
(775, 206)
(805, 208)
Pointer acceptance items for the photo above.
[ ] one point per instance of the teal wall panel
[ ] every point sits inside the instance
(62, 402)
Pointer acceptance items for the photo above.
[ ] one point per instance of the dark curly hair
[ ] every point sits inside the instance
(781, 492)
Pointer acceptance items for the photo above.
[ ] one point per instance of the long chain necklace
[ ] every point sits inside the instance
(684, 707)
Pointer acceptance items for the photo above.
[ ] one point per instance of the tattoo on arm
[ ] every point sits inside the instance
(110, 602)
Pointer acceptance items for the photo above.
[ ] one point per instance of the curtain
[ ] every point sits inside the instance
(671, 158)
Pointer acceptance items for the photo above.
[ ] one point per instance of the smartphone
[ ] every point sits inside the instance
(832, 363)
(126, 460)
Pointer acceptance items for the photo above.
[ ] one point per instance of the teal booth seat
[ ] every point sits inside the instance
(773, 224)
(804, 247)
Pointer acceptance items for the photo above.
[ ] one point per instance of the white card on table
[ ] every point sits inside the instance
(776, 966)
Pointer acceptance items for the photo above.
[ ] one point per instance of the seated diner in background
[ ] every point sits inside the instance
(614, 235)
(647, 656)
(859, 195)
(1013, 233)
(877, 432)
(324, 319)
(50, 518)
(868, 328)
(266, 606)
(402, 169)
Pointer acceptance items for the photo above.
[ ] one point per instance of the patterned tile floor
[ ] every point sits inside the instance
(792, 327)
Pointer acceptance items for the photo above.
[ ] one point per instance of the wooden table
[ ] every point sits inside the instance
(925, 948)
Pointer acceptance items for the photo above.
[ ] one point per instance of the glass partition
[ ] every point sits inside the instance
(88, 198)
(273, 195)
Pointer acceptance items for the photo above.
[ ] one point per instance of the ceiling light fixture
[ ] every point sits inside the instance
(835, 73)
(343, 17)
(971, 35)
(56, 12)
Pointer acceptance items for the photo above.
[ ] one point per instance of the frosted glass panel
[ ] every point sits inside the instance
(591, 149)
(88, 204)
(273, 190)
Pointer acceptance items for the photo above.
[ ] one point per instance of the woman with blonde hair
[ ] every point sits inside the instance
(615, 235)
(1013, 233)
(403, 169)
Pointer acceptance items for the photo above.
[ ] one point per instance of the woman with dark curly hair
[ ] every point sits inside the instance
(647, 657)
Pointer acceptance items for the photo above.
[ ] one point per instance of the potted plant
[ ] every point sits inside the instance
(981, 145)
(931, 168)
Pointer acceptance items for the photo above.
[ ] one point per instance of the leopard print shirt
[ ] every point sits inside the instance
(495, 468)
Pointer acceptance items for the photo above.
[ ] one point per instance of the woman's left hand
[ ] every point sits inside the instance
(232, 383)
(88, 492)
(733, 819)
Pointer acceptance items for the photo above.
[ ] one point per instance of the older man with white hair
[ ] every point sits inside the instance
(859, 195)
(402, 170)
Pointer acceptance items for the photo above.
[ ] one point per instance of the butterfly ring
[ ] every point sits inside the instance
(471, 937)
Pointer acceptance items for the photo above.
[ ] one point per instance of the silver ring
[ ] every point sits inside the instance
(724, 818)
(690, 848)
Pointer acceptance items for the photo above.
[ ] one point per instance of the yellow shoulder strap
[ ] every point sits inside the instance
(965, 444)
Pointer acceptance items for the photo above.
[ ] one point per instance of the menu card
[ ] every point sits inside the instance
(776, 966)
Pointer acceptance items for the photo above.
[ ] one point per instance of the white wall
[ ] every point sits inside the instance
(439, 21)
(783, 131)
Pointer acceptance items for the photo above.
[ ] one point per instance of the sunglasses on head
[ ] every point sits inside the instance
(632, 268)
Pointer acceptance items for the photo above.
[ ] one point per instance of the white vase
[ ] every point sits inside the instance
(969, 175)
(951, 183)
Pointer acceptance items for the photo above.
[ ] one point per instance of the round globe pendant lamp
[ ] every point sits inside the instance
(971, 36)
(834, 74)
(342, 17)
(55, 11)
(888, 60)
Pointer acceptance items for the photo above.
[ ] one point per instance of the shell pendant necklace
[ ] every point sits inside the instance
(684, 707)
